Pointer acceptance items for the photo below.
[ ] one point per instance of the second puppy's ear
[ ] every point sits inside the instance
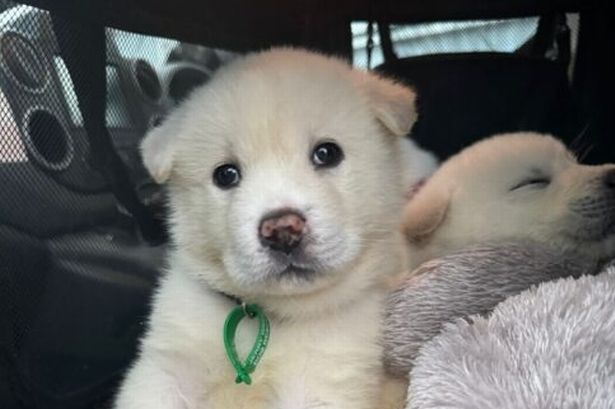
(393, 104)
(425, 213)
(158, 149)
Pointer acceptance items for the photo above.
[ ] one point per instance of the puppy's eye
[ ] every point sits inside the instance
(534, 182)
(226, 176)
(327, 155)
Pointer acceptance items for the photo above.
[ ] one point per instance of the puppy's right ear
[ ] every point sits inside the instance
(158, 150)
(425, 213)
(393, 104)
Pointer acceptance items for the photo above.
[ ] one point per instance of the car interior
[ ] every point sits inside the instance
(82, 225)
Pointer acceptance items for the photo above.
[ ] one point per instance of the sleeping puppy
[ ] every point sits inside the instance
(514, 187)
(283, 178)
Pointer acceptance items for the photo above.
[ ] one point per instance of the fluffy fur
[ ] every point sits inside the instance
(522, 186)
(472, 281)
(418, 165)
(549, 347)
(265, 113)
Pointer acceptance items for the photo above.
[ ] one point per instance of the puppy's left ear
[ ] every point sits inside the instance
(393, 104)
(158, 150)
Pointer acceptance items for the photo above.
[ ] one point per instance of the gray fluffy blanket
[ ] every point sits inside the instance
(469, 282)
(549, 347)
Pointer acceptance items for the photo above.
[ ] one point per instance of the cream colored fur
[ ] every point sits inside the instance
(470, 199)
(418, 165)
(266, 112)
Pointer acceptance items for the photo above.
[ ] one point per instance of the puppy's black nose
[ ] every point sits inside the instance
(282, 230)
(609, 179)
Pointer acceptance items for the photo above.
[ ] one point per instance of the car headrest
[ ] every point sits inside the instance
(465, 97)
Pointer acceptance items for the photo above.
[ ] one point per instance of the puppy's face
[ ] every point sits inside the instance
(519, 186)
(282, 171)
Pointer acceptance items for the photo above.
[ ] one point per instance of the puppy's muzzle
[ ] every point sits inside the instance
(282, 230)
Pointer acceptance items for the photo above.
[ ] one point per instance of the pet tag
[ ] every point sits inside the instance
(238, 313)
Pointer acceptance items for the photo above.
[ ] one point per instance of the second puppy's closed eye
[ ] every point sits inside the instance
(537, 182)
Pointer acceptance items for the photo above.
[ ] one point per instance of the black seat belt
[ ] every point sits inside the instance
(83, 46)
(384, 32)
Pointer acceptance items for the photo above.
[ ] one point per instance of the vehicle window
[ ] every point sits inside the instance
(411, 40)
(155, 50)
(117, 115)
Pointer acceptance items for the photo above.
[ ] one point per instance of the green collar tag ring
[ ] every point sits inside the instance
(238, 313)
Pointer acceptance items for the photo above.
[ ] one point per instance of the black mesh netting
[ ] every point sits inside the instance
(75, 272)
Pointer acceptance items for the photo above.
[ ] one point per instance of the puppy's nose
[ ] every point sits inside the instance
(282, 230)
(609, 179)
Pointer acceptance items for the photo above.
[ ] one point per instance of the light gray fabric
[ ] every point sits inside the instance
(470, 282)
(548, 347)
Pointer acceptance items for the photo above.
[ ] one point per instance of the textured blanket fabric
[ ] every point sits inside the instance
(470, 282)
(549, 347)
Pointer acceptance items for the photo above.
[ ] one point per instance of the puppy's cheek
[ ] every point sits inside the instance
(335, 245)
(243, 217)
(339, 220)
(200, 223)
(244, 260)
(374, 196)
(243, 271)
(348, 246)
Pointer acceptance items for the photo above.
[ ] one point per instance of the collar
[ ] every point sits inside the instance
(233, 298)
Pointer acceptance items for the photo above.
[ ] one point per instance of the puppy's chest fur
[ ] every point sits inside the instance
(310, 363)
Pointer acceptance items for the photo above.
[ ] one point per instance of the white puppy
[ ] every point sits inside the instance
(283, 175)
(519, 187)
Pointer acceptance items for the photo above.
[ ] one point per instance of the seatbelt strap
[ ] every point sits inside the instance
(83, 46)
(384, 32)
